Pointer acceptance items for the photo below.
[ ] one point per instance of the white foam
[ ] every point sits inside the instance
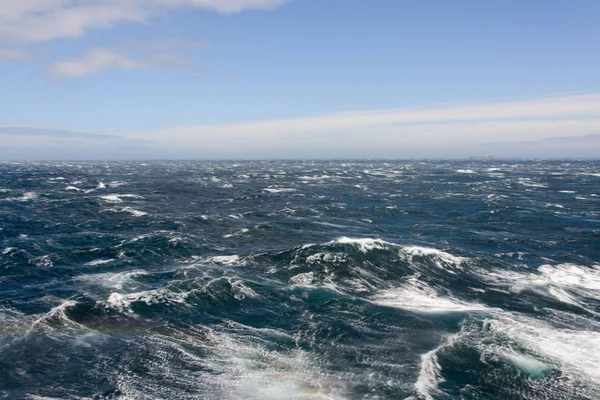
(113, 281)
(465, 171)
(279, 190)
(417, 297)
(241, 291)
(42, 261)
(326, 257)
(238, 233)
(364, 244)
(134, 212)
(530, 183)
(73, 188)
(115, 184)
(530, 365)
(575, 352)
(57, 313)
(252, 371)
(122, 302)
(100, 262)
(572, 275)
(430, 370)
(25, 197)
(303, 279)
(118, 198)
(440, 258)
(227, 260)
(130, 210)
(564, 282)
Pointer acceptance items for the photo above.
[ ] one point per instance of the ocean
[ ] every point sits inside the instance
(470, 279)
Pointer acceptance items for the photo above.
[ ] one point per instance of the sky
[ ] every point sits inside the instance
(272, 79)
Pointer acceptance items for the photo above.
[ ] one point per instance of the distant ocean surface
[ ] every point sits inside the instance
(474, 279)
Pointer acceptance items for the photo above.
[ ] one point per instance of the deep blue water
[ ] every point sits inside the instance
(475, 279)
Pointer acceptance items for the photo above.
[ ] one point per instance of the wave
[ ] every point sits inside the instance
(128, 210)
(363, 265)
(279, 190)
(118, 198)
(430, 370)
(545, 347)
(111, 280)
(194, 292)
(418, 297)
(567, 283)
(27, 196)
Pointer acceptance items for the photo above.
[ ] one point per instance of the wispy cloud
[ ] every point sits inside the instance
(14, 54)
(543, 108)
(389, 130)
(517, 128)
(28, 133)
(94, 60)
(27, 21)
(151, 54)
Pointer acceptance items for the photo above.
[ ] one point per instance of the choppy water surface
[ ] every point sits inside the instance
(300, 280)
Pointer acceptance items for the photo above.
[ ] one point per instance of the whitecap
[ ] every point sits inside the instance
(132, 211)
(530, 365)
(122, 302)
(574, 352)
(100, 262)
(417, 297)
(430, 370)
(440, 258)
(227, 260)
(364, 244)
(110, 280)
(27, 196)
(118, 198)
(303, 279)
(279, 190)
(564, 282)
(57, 314)
(251, 370)
(9, 250)
(115, 184)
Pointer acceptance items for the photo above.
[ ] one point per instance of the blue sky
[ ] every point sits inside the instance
(296, 78)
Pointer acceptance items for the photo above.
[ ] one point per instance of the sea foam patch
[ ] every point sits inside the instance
(417, 297)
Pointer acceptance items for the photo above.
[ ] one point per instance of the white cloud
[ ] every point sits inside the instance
(14, 54)
(385, 130)
(27, 21)
(164, 53)
(503, 129)
(552, 107)
(94, 60)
